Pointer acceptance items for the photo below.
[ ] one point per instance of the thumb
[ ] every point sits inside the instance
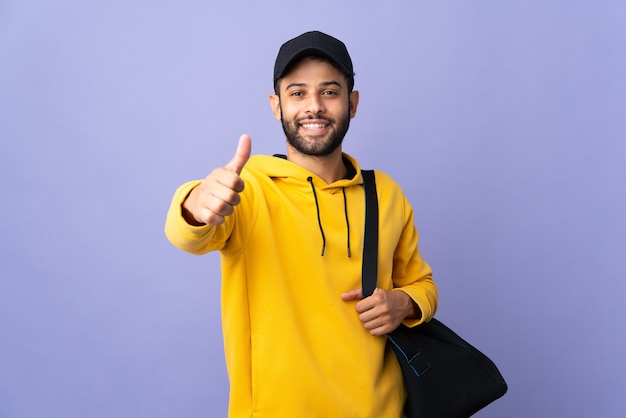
(241, 155)
(355, 294)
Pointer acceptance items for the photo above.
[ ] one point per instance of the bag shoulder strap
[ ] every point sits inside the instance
(369, 273)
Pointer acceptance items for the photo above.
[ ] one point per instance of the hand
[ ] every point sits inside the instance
(218, 194)
(383, 311)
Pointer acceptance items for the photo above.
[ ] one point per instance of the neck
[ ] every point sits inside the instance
(329, 168)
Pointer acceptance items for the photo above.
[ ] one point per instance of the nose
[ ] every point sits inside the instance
(315, 105)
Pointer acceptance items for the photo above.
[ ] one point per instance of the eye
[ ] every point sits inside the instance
(296, 94)
(329, 93)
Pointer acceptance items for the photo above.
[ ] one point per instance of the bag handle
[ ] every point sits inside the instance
(369, 275)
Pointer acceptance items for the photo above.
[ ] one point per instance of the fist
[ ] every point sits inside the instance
(216, 197)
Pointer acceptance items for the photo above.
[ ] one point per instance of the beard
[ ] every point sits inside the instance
(316, 146)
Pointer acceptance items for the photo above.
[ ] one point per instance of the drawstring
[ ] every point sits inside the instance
(319, 218)
(345, 210)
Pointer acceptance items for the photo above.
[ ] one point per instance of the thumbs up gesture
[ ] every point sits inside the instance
(216, 197)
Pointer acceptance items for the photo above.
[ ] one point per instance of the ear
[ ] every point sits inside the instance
(275, 105)
(354, 102)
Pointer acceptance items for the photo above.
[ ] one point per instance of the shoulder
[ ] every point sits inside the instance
(385, 180)
(389, 191)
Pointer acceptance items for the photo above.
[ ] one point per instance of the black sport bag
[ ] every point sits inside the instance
(445, 376)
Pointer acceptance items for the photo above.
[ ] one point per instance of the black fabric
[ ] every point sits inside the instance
(370, 241)
(350, 170)
(445, 376)
(312, 43)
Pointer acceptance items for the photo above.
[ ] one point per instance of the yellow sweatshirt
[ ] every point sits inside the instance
(294, 348)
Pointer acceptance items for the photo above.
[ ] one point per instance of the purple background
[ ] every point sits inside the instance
(504, 122)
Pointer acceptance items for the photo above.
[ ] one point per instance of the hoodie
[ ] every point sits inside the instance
(292, 246)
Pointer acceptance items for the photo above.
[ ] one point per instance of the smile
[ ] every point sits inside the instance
(313, 126)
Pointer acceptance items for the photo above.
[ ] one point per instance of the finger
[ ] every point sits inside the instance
(209, 217)
(219, 206)
(226, 197)
(223, 179)
(241, 155)
(355, 294)
(370, 302)
(380, 331)
(368, 318)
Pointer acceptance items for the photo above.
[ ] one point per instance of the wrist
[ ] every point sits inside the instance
(186, 213)
(189, 218)
(413, 310)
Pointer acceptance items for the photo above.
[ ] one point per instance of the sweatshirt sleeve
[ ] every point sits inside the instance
(193, 239)
(411, 273)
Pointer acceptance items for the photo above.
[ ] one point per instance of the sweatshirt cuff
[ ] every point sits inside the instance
(426, 313)
(175, 215)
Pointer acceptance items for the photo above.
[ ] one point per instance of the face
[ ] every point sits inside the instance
(314, 107)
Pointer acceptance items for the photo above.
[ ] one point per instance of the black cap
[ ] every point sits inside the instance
(313, 43)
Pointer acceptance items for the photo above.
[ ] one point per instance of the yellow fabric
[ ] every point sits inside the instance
(293, 347)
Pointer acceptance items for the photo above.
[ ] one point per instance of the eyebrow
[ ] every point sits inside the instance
(324, 84)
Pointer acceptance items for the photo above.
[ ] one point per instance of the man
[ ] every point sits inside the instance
(300, 341)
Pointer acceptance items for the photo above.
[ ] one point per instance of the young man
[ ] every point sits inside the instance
(300, 341)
